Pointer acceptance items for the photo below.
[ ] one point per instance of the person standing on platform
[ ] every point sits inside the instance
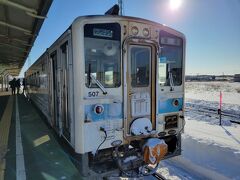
(12, 84)
(18, 85)
(23, 84)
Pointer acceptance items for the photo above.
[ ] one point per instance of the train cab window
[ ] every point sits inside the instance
(170, 60)
(102, 54)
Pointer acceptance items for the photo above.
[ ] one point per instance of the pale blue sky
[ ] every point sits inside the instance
(212, 28)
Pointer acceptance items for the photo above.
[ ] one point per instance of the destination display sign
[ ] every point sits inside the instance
(102, 32)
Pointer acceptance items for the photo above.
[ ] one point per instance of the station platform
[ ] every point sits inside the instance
(28, 147)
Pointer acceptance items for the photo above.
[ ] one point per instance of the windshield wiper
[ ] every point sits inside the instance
(91, 77)
(99, 84)
(170, 75)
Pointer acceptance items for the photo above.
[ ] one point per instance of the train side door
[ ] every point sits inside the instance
(65, 119)
(55, 90)
(141, 89)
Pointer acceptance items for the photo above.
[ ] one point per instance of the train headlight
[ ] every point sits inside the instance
(134, 30)
(146, 32)
(175, 102)
(98, 109)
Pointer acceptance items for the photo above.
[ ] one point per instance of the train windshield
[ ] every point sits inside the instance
(102, 55)
(170, 60)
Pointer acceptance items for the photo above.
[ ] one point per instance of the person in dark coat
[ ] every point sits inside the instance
(23, 84)
(18, 85)
(12, 84)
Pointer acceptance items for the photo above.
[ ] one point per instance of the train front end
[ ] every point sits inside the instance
(129, 77)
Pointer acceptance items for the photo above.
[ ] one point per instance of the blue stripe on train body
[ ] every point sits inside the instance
(115, 111)
(111, 111)
(167, 106)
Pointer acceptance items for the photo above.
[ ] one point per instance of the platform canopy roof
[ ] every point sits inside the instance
(20, 23)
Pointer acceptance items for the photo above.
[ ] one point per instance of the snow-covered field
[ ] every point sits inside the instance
(210, 151)
(209, 91)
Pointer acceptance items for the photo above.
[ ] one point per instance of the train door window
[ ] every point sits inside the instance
(38, 79)
(102, 54)
(43, 67)
(35, 79)
(140, 66)
(43, 77)
(65, 116)
(171, 59)
(54, 68)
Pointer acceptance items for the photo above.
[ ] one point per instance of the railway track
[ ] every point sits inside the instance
(208, 111)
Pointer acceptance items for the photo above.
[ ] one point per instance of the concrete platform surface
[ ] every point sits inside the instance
(31, 150)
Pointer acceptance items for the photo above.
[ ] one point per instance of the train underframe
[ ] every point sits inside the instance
(125, 161)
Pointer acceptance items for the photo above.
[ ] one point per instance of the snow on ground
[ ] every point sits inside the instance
(222, 136)
(209, 151)
(209, 91)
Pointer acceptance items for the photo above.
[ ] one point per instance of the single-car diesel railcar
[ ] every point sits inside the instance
(113, 88)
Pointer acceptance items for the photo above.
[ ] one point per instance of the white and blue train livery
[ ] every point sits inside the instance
(113, 88)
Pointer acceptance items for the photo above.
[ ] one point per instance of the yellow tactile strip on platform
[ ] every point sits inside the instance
(4, 134)
(5, 93)
(41, 140)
